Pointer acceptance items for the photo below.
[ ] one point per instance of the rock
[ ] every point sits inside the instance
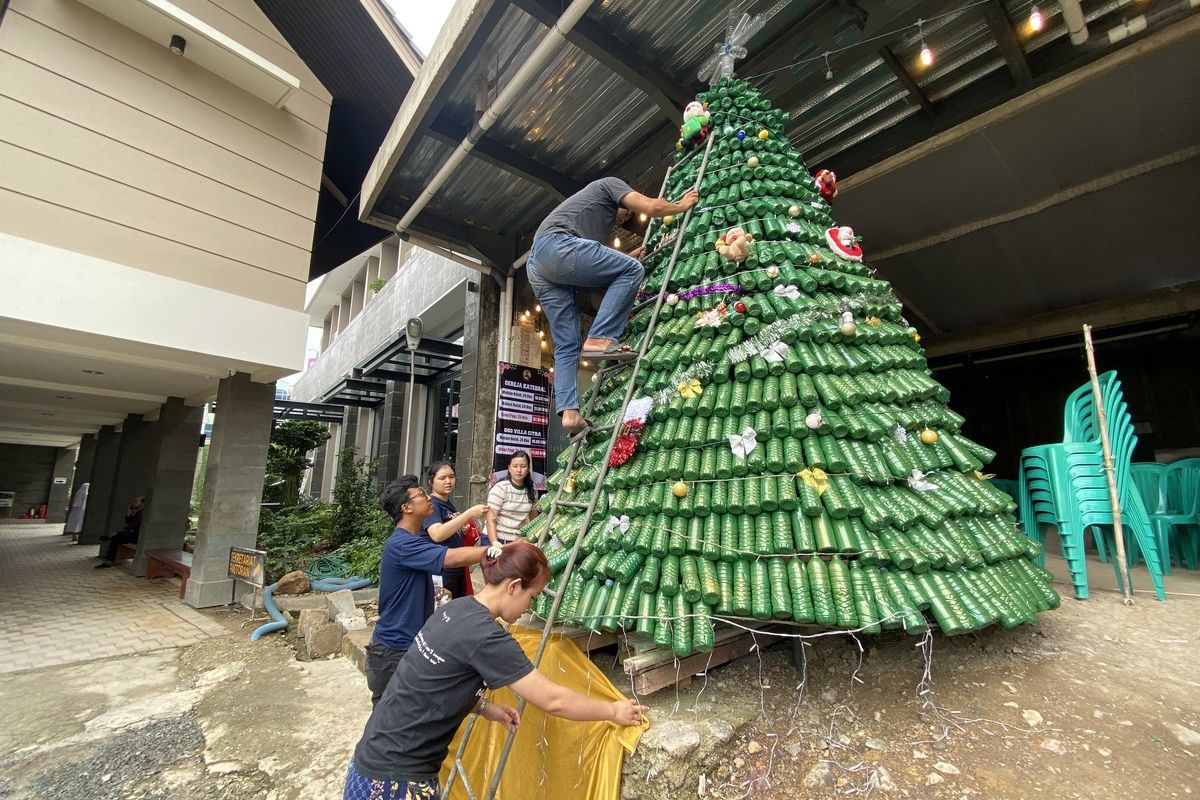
(919, 754)
(794, 749)
(878, 716)
(1186, 736)
(882, 779)
(842, 781)
(1054, 746)
(946, 768)
(876, 744)
(820, 775)
(309, 619)
(754, 747)
(673, 737)
(226, 767)
(829, 696)
(340, 608)
(321, 639)
(1032, 718)
(1098, 714)
(933, 779)
(1011, 689)
(739, 762)
(721, 730)
(293, 583)
(1104, 751)
(1011, 704)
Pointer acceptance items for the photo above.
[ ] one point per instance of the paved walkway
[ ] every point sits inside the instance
(56, 609)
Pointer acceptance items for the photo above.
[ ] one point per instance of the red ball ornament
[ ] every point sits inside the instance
(739, 307)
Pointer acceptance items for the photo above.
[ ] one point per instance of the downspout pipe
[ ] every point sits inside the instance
(550, 44)
(1076, 24)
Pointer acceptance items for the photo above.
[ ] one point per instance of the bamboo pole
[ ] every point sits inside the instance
(1114, 495)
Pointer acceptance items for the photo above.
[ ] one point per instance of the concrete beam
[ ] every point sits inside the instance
(1160, 303)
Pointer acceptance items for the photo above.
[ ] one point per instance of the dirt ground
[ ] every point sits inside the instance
(1095, 700)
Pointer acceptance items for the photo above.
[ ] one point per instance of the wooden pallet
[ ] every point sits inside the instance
(654, 668)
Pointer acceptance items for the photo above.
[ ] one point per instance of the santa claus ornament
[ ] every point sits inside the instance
(843, 242)
(695, 124)
(826, 184)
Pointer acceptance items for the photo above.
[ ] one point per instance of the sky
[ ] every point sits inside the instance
(421, 18)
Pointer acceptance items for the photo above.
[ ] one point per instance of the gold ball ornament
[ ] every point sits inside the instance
(764, 134)
(928, 436)
(773, 271)
(913, 333)
(814, 420)
(794, 211)
(814, 258)
(672, 299)
(679, 489)
(668, 219)
(752, 161)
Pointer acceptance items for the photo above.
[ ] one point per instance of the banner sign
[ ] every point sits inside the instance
(249, 566)
(522, 418)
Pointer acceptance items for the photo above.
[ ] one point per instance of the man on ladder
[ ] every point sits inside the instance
(569, 253)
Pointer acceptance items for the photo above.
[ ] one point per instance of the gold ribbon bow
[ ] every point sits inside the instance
(983, 476)
(816, 479)
(690, 388)
(874, 322)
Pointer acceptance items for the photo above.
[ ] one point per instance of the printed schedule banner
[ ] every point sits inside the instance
(522, 418)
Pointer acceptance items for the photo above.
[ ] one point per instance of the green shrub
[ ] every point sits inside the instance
(363, 555)
(294, 536)
(356, 511)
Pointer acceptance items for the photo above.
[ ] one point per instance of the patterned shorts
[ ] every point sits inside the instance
(360, 787)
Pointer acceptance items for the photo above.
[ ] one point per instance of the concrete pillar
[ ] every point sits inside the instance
(477, 400)
(135, 462)
(84, 459)
(391, 434)
(237, 459)
(174, 446)
(104, 474)
(316, 473)
(60, 486)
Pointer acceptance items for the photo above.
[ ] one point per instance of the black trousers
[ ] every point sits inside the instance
(381, 665)
(119, 538)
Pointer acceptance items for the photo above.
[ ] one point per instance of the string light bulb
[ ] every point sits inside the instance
(617, 243)
(538, 308)
(642, 217)
(585, 363)
(1035, 19)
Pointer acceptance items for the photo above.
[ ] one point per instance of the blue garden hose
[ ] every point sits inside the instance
(325, 575)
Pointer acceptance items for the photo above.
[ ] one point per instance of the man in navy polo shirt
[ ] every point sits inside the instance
(406, 579)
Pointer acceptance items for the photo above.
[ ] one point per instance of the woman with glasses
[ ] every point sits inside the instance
(512, 499)
(406, 571)
(449, 528)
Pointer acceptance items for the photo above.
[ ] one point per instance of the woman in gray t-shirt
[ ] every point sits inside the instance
(461, 650)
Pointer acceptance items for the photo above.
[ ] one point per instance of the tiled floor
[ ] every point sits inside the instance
(56, 609)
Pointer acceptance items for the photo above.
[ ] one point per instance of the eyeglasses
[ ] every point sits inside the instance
(419, 493)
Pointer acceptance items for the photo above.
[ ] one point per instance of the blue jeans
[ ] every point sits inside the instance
(558, 265)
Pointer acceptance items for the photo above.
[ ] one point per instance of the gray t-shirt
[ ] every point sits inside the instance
(590, 213)
(460, 649)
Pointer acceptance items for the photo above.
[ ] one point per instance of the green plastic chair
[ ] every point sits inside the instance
(1180, 509)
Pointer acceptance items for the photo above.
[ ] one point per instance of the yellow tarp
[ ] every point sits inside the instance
(551, 758)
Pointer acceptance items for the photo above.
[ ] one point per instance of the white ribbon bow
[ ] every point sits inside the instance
(774, 353)
(900, 434)
(789, 291)
(743, 444)
(793, 226)
(622, 523)
(917, 482)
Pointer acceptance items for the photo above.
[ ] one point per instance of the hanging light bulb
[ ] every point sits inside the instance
(1035, 19)
(538, 308)
(541, 334)
(585, 363)
(617, 243)
(545, 346)
(828, 69)
(642, 217)
(926, 56)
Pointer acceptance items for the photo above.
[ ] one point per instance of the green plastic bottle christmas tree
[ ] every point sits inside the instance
(787, 455)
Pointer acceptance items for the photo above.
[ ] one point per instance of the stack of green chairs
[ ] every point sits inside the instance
(1150, 480)
(1065, 485)
(1176, 519)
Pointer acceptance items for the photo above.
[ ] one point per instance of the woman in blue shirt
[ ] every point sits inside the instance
(448, 527)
